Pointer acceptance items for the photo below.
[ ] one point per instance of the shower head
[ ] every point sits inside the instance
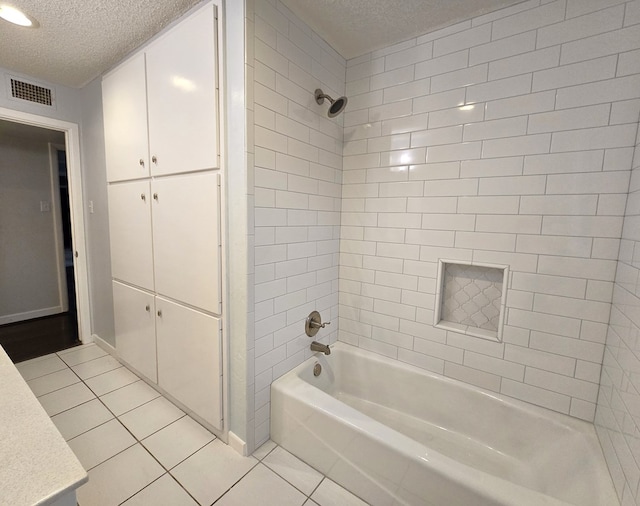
(337, 105)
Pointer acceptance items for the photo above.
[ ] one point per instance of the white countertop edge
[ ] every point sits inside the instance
(38, 466)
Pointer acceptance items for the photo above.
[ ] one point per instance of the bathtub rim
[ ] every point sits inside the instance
(456, 471)
(531, 409)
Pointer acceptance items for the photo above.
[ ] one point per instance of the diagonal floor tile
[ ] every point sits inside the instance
(101, 443)
(65, 398)
(80, 354)
(96, 366)
(211, 471)
(151, 417)
(52, 382)
(330, 493)
(164, 491)
(264, 450)
(177, 441)
(129, 397)
(262, 487)
(75, 421)
(292, 469)
(110, 381)
(40, 366)
(119, 478)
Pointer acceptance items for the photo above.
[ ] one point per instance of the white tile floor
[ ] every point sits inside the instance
(141, 450)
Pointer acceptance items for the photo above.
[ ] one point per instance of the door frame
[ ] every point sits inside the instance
(56, 208)
(76, 201)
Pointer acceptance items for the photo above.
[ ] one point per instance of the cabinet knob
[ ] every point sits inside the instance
(141, 162)
(147, 308)
(160, 312)
(143, 196)
(155, 196)
(154, 159)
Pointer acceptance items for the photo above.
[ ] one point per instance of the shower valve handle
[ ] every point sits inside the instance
(314, 323)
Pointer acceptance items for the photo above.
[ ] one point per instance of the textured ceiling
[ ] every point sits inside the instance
(355, 27)
(79, 39)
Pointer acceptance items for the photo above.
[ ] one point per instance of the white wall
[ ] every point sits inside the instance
(28, 249)
(298, 162)
(83, 107)
(617, 419)
(534, 175)
(96, 222)
(66, 107)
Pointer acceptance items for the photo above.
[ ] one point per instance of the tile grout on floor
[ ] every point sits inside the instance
(238, 479)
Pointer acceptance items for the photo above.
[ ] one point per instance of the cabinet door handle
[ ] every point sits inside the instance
(143, 196)
(160, 313)
(141, 162)
(154, 159)
(155, 196)
(147, 308)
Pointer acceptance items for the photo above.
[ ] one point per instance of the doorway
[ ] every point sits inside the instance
(68, 322)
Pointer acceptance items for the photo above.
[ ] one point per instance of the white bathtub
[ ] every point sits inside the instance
(394, 434)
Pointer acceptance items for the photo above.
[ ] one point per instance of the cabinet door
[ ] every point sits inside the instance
(124, 104)
(181, 82)
(186, 239)
(134, 318)
(189, 358)
(130, 233)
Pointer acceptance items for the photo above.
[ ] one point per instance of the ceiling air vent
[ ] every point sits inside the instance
(31, 92)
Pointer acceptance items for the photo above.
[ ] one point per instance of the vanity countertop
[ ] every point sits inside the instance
(37, 467)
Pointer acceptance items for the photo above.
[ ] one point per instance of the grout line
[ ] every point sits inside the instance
(189, 456)
(56, 390)
(287, 481)
(106, 460)
(167, 471)
(238, 481)
(318, 486)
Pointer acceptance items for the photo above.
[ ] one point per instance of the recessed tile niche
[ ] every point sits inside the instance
(471, 298)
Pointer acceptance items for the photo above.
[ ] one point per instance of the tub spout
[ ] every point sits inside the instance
(324, 348)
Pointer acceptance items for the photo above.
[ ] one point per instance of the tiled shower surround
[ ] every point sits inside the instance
(617, 415)
(506, 139)
(298, 162)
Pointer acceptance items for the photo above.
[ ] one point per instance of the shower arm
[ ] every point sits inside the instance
(320, 98)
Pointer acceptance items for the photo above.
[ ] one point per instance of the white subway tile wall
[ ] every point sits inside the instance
(298, 190)
(616, 420)
(504, 140)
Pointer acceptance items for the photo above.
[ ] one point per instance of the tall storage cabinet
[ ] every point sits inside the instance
(164, 190)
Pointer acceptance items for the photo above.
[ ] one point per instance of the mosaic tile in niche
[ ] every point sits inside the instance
(472, 295)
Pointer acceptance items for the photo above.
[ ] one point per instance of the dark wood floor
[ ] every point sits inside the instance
(40, 336)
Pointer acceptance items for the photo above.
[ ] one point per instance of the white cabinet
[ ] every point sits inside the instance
(181, 72)
(124, 102)
(171, 86)
(180, 259)
(130, 233)
(164, 191)
(134, 312)
(189, 358)
(174, 346)
(186, 239)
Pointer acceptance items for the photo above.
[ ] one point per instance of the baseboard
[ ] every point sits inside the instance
(104, 345)
(238, 444)
(28, 315)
